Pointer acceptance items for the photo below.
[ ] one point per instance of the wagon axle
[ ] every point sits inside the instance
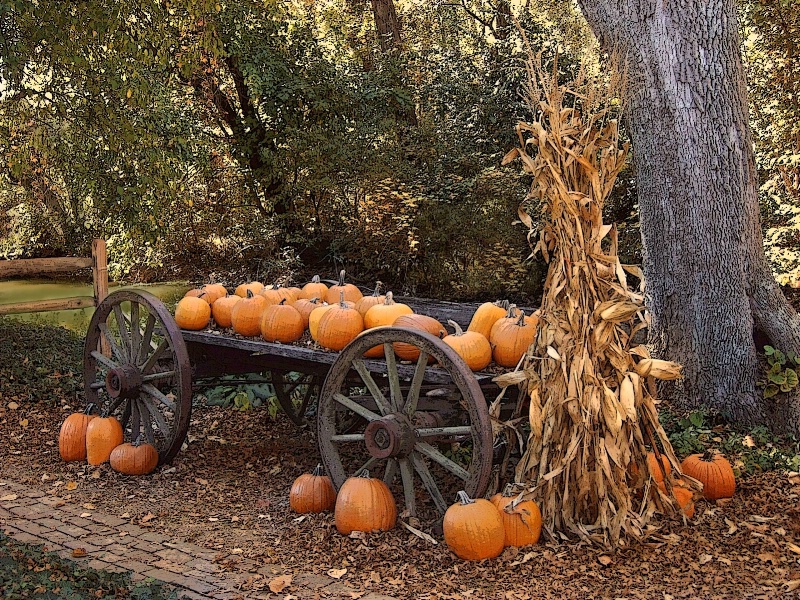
(124, 382)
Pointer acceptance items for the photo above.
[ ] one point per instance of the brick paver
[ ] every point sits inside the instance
(33, 517)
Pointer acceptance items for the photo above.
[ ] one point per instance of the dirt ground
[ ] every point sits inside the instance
(228, 491)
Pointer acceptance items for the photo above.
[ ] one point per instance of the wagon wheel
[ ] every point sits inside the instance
(446, 449)
(135, 366)
(295, 393)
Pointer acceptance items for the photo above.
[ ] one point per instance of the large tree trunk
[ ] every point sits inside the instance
(708, 283)
(386, 24)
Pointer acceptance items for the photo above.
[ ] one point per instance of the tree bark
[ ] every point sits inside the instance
(708, 282)
(386, 24)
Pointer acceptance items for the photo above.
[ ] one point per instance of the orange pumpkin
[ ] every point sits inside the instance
(198, 293)
(683, 496)
(192, 312)
(714, 471)
(511, 337)
(472, 346)
(254, 286)
(351, 292)
(103, 434)
(339, 326)
(214, 292)
(275, 294)
(364, 504)
(473, 529)
(314, 289)
(222, 308)
(486, 316)
(523, 524)
(72, 437)
(314, 318)
(312, 493)
(386, 312)
(137, 458)
(423, 323)
(305, 306)
(246, 315)
(367, 302)
(281, 323)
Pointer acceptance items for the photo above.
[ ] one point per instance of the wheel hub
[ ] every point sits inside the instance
(391, 436)
(123, 382)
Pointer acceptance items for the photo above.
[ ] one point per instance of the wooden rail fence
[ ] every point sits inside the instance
(49, 266)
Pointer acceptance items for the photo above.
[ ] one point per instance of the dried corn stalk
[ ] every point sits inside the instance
(592, 406)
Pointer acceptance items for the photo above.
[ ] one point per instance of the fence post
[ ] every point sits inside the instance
(99, 270)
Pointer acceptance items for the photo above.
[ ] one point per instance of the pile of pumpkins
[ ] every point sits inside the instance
(336, 315)
(476, 529)
(98, 439)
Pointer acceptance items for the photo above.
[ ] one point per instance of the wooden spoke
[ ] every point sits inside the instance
(136, 332)
(444, 431)
(152, 409)
(162, 347)
(407, 475)
(366, 466)
(428, 481)
(366, 377)
(390, 472)
(355, 407)
(416, 384)
(427, 450)
(157, 376)
(115, 405)
(148, 425)
(156, 393)
(136, 425)
(123, 331)
(115, 349)
(104, 360)
(348, 437)
(98, 385)
(395, 395)
(147, 337)
(126, 414)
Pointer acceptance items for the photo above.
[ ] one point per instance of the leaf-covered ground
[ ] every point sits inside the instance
(228, 491)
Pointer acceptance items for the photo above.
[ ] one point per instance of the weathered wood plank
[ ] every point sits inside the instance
(46, 305)
(25, 267)
(460, 312)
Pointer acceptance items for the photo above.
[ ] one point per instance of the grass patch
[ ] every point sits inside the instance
(31, 572)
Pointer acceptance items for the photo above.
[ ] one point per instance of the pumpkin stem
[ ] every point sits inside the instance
(318, 471)
(315, 279)
(377, 291)
(341, 298)
(508, 491)
(283, 300)
(249, 293)
(521, 321)
(89, 408)
(341, 277)
(364, 474)
(463, 498)
(502, 304)
(708, 456)
(138, 441)
(510, 312)
(389, 299)
(456, 327)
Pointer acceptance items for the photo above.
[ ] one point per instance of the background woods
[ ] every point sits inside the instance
(249, 137)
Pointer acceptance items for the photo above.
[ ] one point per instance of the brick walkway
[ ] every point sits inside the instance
(113, 544)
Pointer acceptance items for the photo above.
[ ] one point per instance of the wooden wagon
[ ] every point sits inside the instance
(423, 422)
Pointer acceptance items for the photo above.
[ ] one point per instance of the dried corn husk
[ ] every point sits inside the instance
(592, 410)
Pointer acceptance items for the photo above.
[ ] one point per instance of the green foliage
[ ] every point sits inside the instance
(242, 392)
(751, 451)
(31, 572)
(782, 373)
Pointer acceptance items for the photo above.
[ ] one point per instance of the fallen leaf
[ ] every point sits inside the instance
(78, 552)
(724, 561)
(71, 485)
(793, 547)
(760, 519)
(732, 528)
(23, 422)
(792, 585)
(13, 405)
(337, 573)
(237, 551)
(705, 558)
(605, 560)
(280, 583)
(528, 556)
(96, 474)
(89, 506)
(769, 557)
(748, 441)
(8, 498)
(84, 515)
(147, 517)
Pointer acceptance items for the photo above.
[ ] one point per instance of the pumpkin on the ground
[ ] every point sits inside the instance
(222, 308)
(192, 312)
(473, 529)
(246, 314)
(487, 315)
(339, 326)
(312, 493)
(103, 434)
(351, 292)
(314, 289)
(138, 458)
(423, 323)
(364, 504)
(281, 323)
(683, 496)
(714, 471)
(72, 437)
(472, 346)
(523, 525)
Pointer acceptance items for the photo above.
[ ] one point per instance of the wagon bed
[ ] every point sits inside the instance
(408, 422)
